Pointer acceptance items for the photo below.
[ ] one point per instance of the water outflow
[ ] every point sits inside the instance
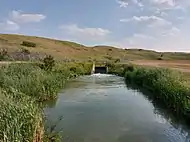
(100, 108)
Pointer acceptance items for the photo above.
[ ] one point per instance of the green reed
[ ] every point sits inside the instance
(22, 87)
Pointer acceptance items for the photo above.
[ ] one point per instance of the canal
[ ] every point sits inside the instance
(101, 108)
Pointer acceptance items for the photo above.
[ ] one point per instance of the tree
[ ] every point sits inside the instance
(49, 62)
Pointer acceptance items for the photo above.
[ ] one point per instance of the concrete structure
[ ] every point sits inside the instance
(99, 68)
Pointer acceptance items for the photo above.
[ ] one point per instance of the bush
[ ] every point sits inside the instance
(110, 65)
(117, 60)
(73, 69)
(28, 44)
(3, 54)
(129, 68)
(25, 51)
(160, 58)
(108, 57)
(48, 62)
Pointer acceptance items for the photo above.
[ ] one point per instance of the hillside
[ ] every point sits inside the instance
(70, 50)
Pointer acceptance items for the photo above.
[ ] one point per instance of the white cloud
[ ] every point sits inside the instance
(162, 4)
(146, 18)
(166, 29)
(172, 32)
(167, 2)
(125, 3)
(160, 23)
(9, 26)
(93, 34)
(172, 40)
(122, 3)
(142, 36)
(16, 18)
(160, 12)
(152, 23)
(180, 18)
(137, 3)
(20, 17)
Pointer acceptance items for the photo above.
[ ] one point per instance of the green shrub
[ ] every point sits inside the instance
(129, 68)
(28, 44)
(109, 57)
(25, 51)
(160, 58)
(48, 62)
(117, 60)
(32, 81)
(73, 69)
(3, 54)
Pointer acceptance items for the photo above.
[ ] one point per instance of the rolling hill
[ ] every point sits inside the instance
(70, 50)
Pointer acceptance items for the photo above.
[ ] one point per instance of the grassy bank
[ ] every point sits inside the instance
(169, 87)
(20, 118)
(22, 87)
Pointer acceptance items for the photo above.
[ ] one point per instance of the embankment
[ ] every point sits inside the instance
(169, 87)
(22, 89)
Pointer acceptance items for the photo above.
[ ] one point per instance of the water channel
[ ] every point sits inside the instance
(101, 108)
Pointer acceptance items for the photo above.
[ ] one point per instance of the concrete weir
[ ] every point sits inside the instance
(103, 69)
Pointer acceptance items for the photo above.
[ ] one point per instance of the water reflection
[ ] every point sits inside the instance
(164, 115)
(100, 108)
(50, 103)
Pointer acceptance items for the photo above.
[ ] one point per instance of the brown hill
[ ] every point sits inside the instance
(70, 50)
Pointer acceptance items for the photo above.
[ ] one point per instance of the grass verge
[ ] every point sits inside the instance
(167, 86)
(22, 88)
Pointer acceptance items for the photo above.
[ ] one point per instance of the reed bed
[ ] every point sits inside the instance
(22, 89)
(169, 87)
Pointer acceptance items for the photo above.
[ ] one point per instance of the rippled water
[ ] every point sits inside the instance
(100, 108)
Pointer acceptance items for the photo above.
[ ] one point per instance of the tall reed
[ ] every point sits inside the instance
(22, 87)
(20, 118)
(167, 86)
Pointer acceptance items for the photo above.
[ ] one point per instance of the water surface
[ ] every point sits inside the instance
(100, 108)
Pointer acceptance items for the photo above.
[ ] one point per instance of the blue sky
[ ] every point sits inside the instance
(162, 25)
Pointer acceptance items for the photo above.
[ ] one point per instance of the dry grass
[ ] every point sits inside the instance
(182, 65)
(71, 50)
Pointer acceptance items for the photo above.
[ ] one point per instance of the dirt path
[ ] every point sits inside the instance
(12, 62)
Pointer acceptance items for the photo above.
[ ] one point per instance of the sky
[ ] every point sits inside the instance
(161, 25)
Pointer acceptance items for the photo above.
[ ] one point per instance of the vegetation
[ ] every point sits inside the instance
(65, 50)
(28, 44)
(48, 63)
(20, 119)
(167, 86)
(3, 54)
(25, 51)
(23, 87)
(117, 60)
